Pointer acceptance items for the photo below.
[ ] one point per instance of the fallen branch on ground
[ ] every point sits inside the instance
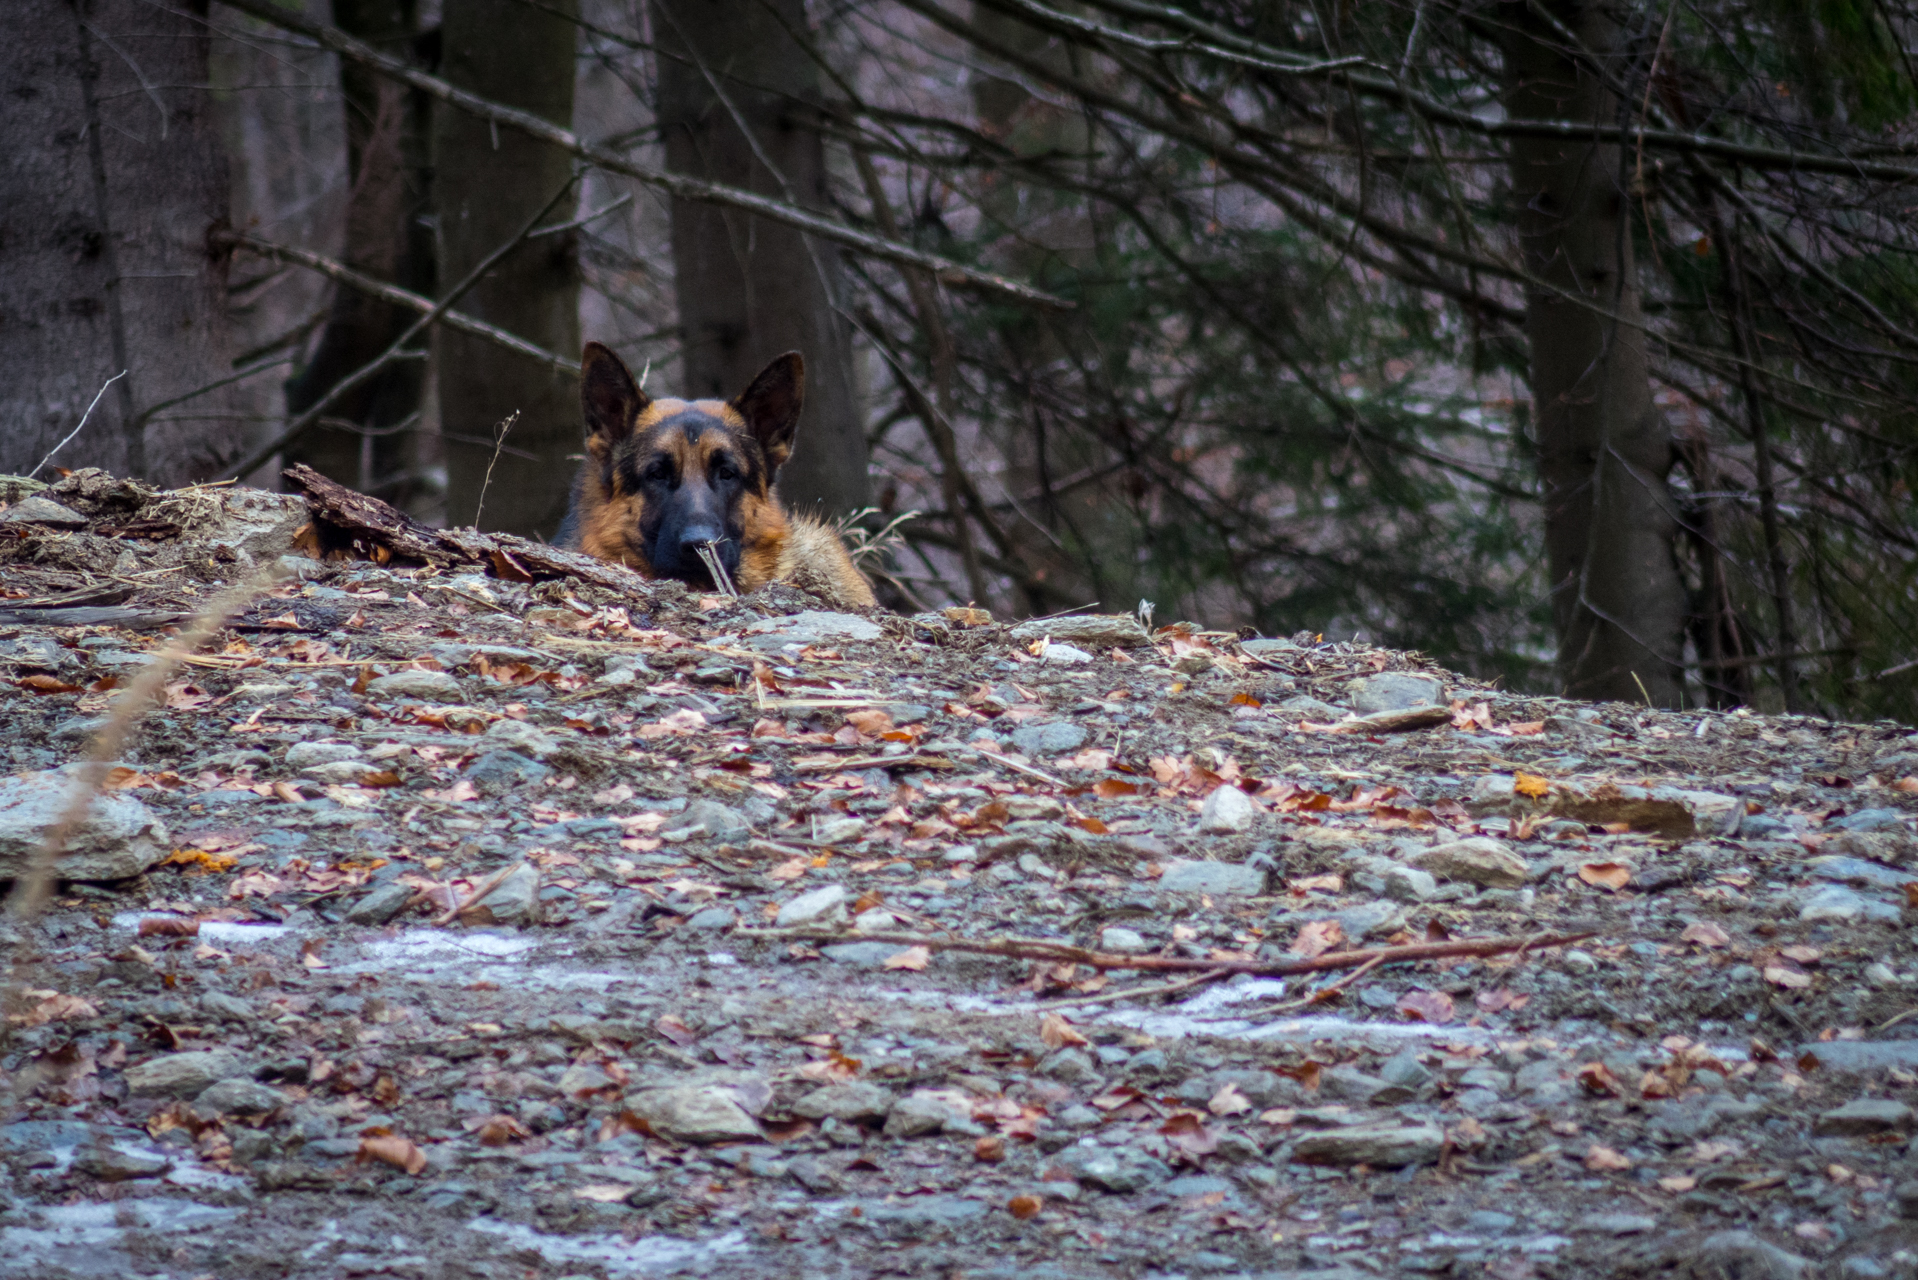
(349, 520)
(1065, 953)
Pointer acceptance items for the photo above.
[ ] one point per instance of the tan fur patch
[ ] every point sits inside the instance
(813, 557)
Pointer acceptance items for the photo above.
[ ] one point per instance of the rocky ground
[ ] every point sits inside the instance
(443, 925)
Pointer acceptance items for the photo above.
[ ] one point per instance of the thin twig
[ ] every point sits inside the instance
(709, 556)
(479, 891)
(499, 440)
(1066, 953)
(83, 422)
(1163, 989)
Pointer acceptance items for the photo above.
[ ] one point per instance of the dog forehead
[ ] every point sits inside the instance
(689, 430)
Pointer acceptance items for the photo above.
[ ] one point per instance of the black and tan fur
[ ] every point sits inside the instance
(663, 475)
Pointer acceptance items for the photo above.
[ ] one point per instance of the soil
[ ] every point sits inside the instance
(298, 1046)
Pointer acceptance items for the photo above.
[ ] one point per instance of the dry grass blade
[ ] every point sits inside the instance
(709, 556)
(31, 891)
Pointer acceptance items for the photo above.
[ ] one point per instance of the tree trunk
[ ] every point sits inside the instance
(749, 290)
(1604, 451)
(386, 144)
(487, 182)
(115, 179)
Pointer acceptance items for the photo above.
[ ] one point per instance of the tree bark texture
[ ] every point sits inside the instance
(487, 183)
(113, 181)
(749, 289)
(387, 237)
(1604, 450)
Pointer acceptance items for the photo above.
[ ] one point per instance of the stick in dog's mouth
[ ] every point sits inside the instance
(709, 555)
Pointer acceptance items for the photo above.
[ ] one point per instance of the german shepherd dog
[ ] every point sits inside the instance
(663, 477)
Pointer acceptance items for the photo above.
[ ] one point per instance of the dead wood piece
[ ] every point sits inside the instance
(89, 616)
(1396, 721)
(349, 515)
(1066, 953)
(356, 515)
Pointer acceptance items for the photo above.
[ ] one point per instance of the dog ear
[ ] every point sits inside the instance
(609, 399)
(771, 406)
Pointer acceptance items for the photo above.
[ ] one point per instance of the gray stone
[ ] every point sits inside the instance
(1122, 941)
(721, 822)
(1395, 691)
(254, 523)
(381, 905)
(514, 900)
(304, 755)
(120, 837)
(1121, 1170)
(1072, 1066)
(1306, 707)
(866, 955)
(1745, 1256)
(1059, 654)
(1618, 1224)
(1858, 871)
(810, 628)
(1049, 738)
(921, 1215)
(182, 1075)
(222, 1004)
(1267, 648)
(815, 1177)
(1409, 884)
(1479, 860)
(1489, 1222)
(342, 773)
(851, 1101)
(1836, 904)
(1383, 1146)
(1227, 810)
(43, 511)
(844, 830)
(1405, 1070)
(1371, 920)
(517, 735)
(1225, 879)
(1869, 820)
(497, 772)
(1099, 630)
(1579, 962)
(1862, 1116)
(695, 1113)
(1348, 1084)
(823, 906)
(712, 918)
(927, 1111)
(427, 686)
(117, 1163)
(239, 1095)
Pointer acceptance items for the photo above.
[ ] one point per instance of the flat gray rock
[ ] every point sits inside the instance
(119, 838)
(851, 1101)
(517, 735)
(239, 1095)
(182, 1075)
(43, 511)
(1227, 879)
(427, 686)
(709, 817)
(695, 1113)
(1862, 1055)
(381, 905)
(825, 905)
(514, 900)
(1861, 1117)
(1480, 860)
(810, 628)
(1383, 1146)
(1050, 738)
(498, 772)
(304, 755)
(1395, 691)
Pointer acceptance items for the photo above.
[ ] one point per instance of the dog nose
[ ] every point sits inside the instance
(699, 531)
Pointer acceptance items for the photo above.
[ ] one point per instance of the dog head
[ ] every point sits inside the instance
(664, 476)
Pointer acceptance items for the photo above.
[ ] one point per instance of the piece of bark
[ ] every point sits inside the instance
(356, 515)
(89, 616)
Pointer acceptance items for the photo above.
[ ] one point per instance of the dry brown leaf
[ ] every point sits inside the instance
(1058, 1033)
(1790, 979)
(1317, 938)
(391, 1148)
(1228, 1101)
(1427, 1006)
(497, 1131)
(45, 684)
(913, 958)
(1802, 954)
(1605, 1159)
(1531, 785)
(1597, 1079)
(1606, 875)
(168, 927)
(670, 1026)
(990, 1149)
(1704, 933)
(1023, 1207)
(52, 1006)
(1677, 1183)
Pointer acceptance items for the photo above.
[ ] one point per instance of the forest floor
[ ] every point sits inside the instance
(448, 926)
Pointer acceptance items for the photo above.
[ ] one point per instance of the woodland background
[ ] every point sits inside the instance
(1569, 342)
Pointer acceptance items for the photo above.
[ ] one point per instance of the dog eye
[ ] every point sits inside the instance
(725, 470)
(657, 470)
